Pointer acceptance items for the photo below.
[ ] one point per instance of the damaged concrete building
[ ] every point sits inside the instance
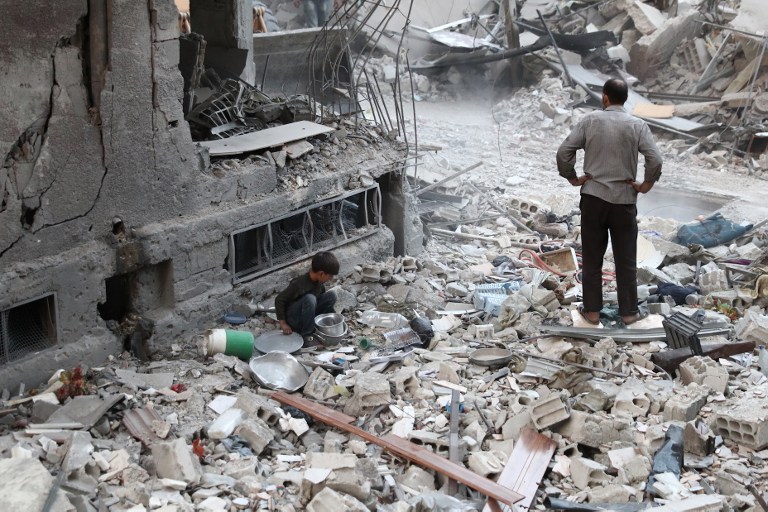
(110, 211)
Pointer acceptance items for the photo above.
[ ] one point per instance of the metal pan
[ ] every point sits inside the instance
(276, 341)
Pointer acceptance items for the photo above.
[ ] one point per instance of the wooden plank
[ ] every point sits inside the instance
(263, 139)
(403, 448)
(654, 111)
(525, 468)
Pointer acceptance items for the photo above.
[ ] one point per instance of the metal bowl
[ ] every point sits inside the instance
(332, 341)
(331, 324)
(278, 370)
(490, 357)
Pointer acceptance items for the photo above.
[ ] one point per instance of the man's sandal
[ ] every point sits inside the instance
(583, 314)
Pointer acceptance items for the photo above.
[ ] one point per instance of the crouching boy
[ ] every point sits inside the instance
(305, 297)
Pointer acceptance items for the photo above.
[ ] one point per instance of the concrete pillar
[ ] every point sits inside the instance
(227, 26)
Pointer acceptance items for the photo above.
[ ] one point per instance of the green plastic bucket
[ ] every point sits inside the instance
(229, 342)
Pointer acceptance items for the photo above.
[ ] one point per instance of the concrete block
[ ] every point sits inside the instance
(704, 371)
(610, 493)
(685, 402)
(320, 385)
(516, 423)
(405, 380)
(256, 433)
(743, 420)
(328, 500)
(647, 18)
(713, 281)
(417, 479)
(586, 472)
(632, 399)
(549, 411)
(175, 460)
(632, 465)
(698, 438)
(653, 51)
(371, 390)
(256, 406)
(487, 464)
(597, 429)
(753, 327)
(241, 468)
(350, 481)
(680, 272)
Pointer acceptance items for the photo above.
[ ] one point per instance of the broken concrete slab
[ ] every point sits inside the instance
(144, 380)
(175, 460)
(25, 485)
(86, 410)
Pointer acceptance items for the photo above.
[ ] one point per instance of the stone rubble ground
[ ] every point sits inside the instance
(220, 443)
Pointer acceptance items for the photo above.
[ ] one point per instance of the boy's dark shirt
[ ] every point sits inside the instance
(296, 289)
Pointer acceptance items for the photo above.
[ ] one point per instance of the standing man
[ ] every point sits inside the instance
(611, 140)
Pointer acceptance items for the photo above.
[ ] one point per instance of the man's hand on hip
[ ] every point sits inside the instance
(577, 182)
(640, 188)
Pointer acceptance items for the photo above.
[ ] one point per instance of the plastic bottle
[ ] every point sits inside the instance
(223, 426)
(390, 321)
(762, 359)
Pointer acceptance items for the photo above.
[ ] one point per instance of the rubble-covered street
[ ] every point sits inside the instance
(459, 375)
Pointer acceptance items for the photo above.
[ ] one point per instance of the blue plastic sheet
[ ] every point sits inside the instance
(712, 231)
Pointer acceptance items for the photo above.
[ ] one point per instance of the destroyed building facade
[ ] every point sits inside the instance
(108, 207)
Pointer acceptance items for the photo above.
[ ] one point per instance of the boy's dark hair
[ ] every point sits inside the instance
(617, 91)
(325, 262)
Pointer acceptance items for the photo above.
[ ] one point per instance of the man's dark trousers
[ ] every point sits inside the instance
(598, 218)
(301, 314)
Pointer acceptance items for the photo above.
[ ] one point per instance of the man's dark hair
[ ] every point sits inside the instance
(325, 262)
(617, 91)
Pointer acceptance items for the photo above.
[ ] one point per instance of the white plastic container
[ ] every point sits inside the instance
(223, 426)
(389, 321)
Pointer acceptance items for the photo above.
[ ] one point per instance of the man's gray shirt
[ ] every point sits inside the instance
(611, 140)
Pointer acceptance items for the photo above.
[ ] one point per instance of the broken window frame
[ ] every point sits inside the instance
(266, 245)
(11, 347)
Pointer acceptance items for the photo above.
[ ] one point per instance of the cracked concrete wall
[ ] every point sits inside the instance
(70, 168)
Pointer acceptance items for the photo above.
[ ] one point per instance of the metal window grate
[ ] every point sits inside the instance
(27, 328)
(260, 249)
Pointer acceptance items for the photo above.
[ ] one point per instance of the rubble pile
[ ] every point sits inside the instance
(502, 362)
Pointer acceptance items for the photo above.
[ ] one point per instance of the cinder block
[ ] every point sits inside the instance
(435, 442)
(685, 402)
(549, 411)
(586, 472)
(704, 371)
(256, 406)
(632, 399)
(256, 433)
(743, 420)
